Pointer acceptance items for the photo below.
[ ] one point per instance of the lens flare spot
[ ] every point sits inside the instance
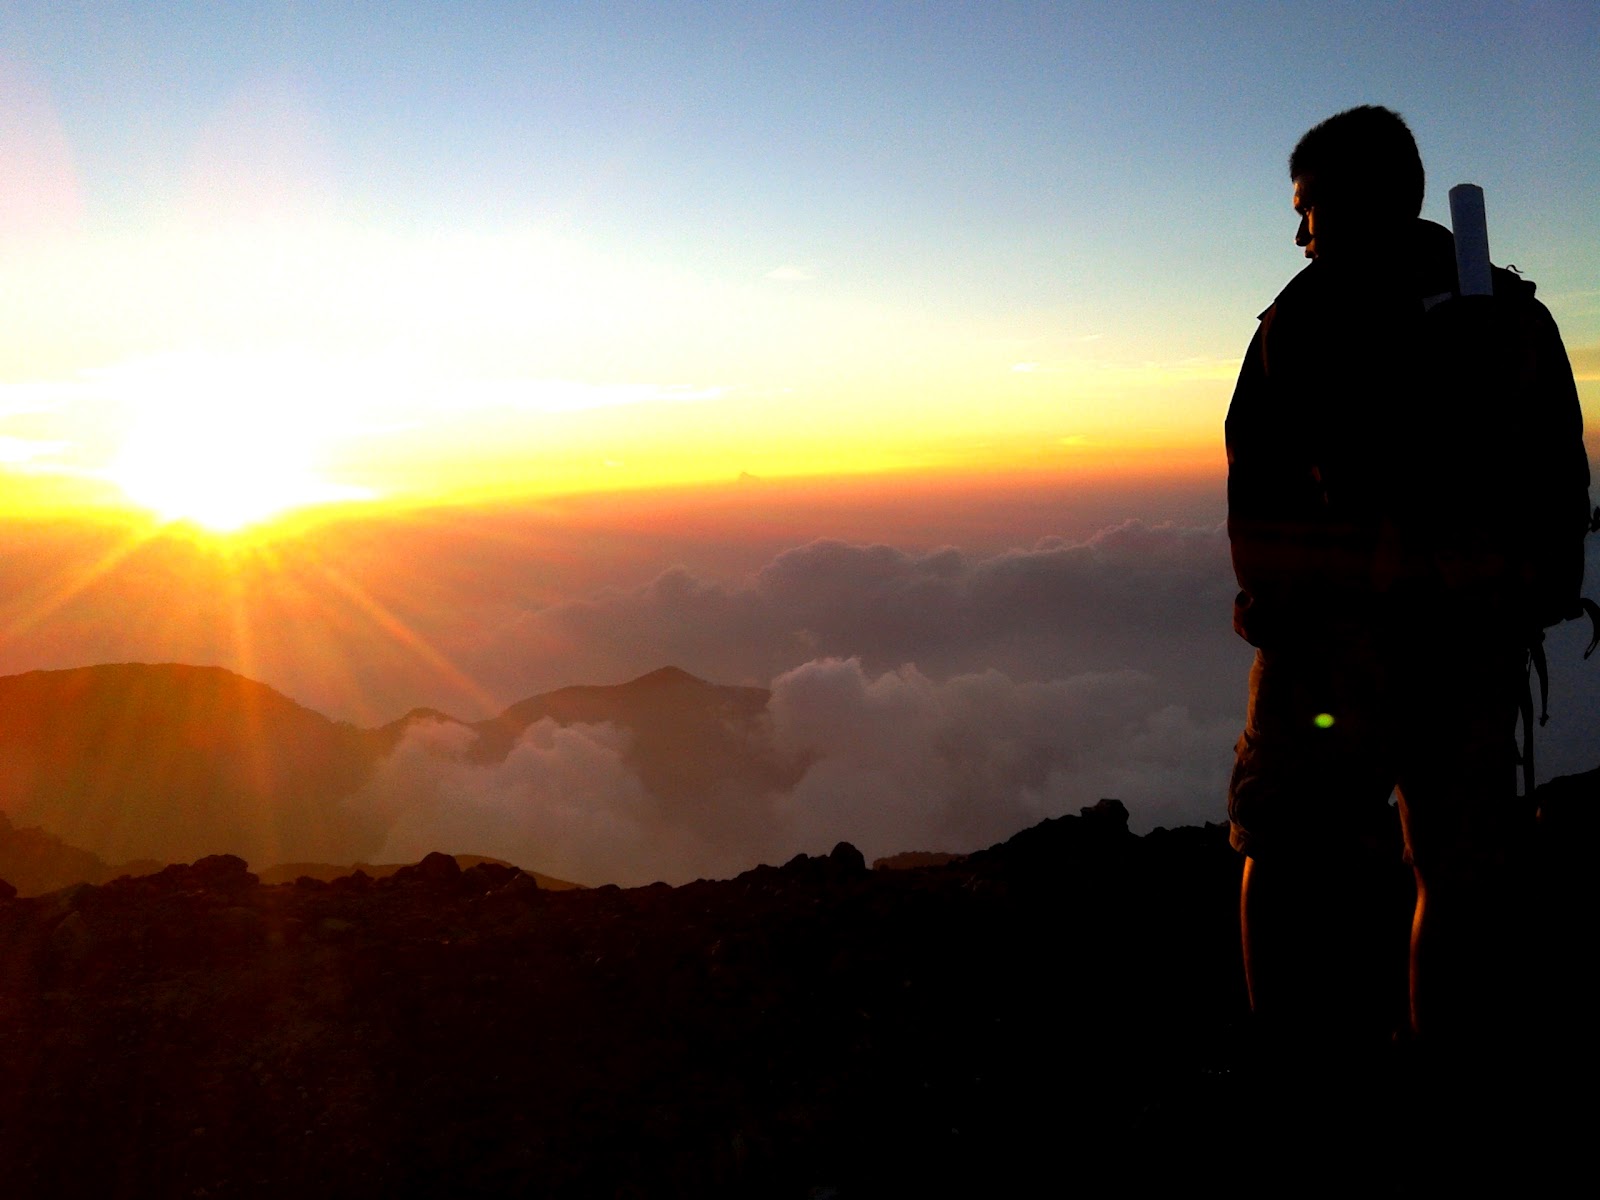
(1323, 720)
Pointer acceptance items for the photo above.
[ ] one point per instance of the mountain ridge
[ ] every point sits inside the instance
(172, 762)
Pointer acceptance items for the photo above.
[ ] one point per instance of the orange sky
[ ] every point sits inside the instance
(229, 438)
(372, 612)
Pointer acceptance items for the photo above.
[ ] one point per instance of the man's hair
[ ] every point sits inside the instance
(1365, 156)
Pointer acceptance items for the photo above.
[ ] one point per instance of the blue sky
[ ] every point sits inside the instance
(1146, 138)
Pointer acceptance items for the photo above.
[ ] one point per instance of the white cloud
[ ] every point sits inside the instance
(562, 801)
(900, 761)
(892, 761)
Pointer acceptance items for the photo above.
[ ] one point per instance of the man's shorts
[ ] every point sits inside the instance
(1334, 729)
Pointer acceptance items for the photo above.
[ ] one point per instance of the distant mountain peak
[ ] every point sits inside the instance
(666, 677)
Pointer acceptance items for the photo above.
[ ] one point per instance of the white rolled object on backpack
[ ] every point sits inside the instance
(1472, 240)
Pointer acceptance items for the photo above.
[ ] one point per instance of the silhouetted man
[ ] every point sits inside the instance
(1407, 497)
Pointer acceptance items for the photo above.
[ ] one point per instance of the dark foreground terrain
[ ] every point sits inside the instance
(1060, 1015)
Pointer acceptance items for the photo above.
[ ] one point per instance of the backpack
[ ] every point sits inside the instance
(1512, 431)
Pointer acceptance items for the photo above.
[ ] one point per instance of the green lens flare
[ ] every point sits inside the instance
(1323, 720)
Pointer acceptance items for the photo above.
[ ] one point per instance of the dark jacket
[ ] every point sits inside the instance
(1383, 457)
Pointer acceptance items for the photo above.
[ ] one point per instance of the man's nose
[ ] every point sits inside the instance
(1302, 235)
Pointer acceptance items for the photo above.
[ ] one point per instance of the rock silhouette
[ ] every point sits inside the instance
(1065, 1006)
(463, 1032)
(328, 872)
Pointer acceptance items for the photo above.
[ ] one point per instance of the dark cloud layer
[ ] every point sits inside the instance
(1133, 597)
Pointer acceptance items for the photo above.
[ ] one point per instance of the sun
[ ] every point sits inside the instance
(223, 447)
(219, 485)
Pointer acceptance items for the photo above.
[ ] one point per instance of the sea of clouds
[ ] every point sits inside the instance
(933, 700)
(936, 700)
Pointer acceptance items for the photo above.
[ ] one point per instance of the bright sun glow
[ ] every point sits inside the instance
(225, 444)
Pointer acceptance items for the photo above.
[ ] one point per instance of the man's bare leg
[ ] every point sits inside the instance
(1260, 918)
(1323, 965)
(1468, 993)
(1464, 972)
(1321, 950)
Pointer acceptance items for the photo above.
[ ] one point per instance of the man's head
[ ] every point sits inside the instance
(1358, 182)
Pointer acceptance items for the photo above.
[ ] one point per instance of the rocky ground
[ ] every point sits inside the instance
(1065, 1009)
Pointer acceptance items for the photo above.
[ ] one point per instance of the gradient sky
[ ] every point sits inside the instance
(929, 313)
(411, 249)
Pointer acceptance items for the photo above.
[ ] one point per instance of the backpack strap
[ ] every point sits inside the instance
(1537, 662)
(1541, 668)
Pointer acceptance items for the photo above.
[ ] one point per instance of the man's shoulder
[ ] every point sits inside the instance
(1519, 293)
(1306, 288)
(1301, 316)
